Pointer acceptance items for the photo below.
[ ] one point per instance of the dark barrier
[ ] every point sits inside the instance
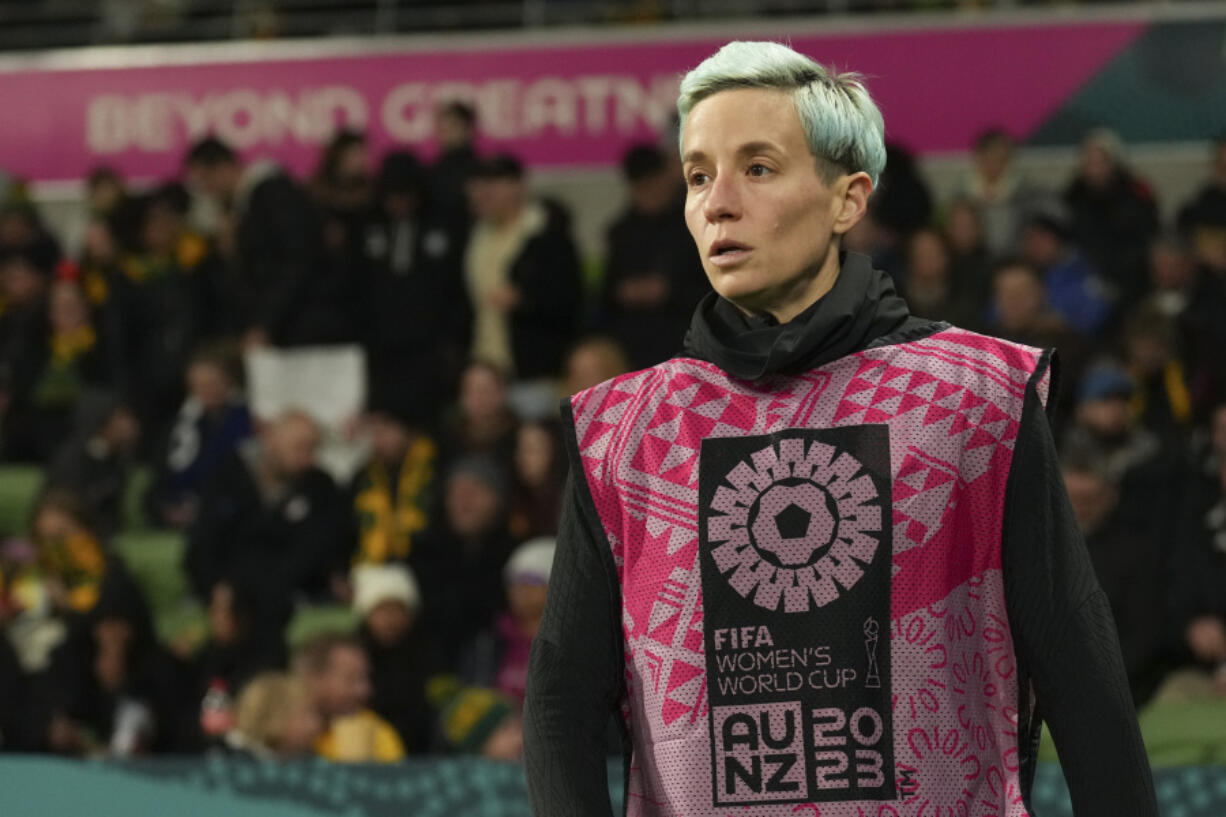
(237, 787)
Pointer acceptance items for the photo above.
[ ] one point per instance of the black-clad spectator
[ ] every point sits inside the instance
(652, 277)
(460, 563)
(1131, 569)
(455, 128)
(414, 305)
(1171, 277)
(270, 517)
(522, 271)
(1207, 209)
(49, 371)
(290, 294)
(18, 723)
(388, 600)
(112, 689)
(929, 285)
(394, 494)
(160, 304)
(900, 204)
(104, 190)
(212, 422)
(343, 181)
(245, 637)
(22, 231)
(1114, 214)
(95, 463)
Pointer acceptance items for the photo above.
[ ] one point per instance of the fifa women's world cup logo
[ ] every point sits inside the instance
(795, 525)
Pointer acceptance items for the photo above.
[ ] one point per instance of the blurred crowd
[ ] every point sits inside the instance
(476, 314)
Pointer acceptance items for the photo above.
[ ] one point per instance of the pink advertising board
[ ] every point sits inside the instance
(555, 100)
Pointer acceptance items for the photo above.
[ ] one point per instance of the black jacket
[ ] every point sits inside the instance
(545, 321)
(290, 545)
(1061, 622)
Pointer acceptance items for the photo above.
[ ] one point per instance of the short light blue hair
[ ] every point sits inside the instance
(842, 124)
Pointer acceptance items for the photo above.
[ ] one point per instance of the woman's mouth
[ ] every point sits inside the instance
(726, 253)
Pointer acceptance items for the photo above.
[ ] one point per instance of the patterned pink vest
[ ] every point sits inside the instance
(791, 647)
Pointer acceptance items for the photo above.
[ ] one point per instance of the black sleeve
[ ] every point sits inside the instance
(575, 673)
(1065, 637)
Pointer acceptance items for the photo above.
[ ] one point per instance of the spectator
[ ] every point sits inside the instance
(112, 689)
(212, 423)
(527, 582)
(1114, 215)
(969, 259)
(1198, 605)
(652, 277)
(523, 274)
(23, 232)
(540, 473)
(593, 360)
(291, 297)
(104, 190)
(478, 721)
(1020, 313)
(1171, 276)
(1130, 569)
(483, 422)
(1161, 401)
(343, 182)
(337, 678)
(455, 129)
(1131, 457)
(245, 637)
(159, 304)
(276, 719)
(393, 495)
(269, 516)
(901, 204)
(1074, 289)
(929, 286)
(23, 325)
(999, 192)
(414, 305)
(1207, 209)
(388, 600)
(48, 373)
(95, 463)
(460, 564)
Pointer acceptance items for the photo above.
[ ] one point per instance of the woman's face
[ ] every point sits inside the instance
(533, 454)
(302, 727)
(68, 310)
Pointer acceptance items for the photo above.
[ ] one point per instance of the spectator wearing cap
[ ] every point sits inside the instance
(477, 720)
(1106, 431)
(522, 272)
(1113, 213)
(211, 424)
(337, 677)
(527, 583)
(413, 303)
(388, 600)
(290, 294)
(652, 278)
(1074, 288)
(460, 563)
(394, 494)
(271, 517)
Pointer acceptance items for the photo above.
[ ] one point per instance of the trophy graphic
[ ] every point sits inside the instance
(871, 629)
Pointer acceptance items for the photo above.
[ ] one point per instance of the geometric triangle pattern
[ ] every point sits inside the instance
(951, 401)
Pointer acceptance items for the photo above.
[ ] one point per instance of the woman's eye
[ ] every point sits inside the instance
(758, 170)
(698, 179)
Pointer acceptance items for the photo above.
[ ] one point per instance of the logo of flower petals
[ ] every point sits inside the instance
(792, 527)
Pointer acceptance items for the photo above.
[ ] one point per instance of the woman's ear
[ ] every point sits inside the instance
(851, 196)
